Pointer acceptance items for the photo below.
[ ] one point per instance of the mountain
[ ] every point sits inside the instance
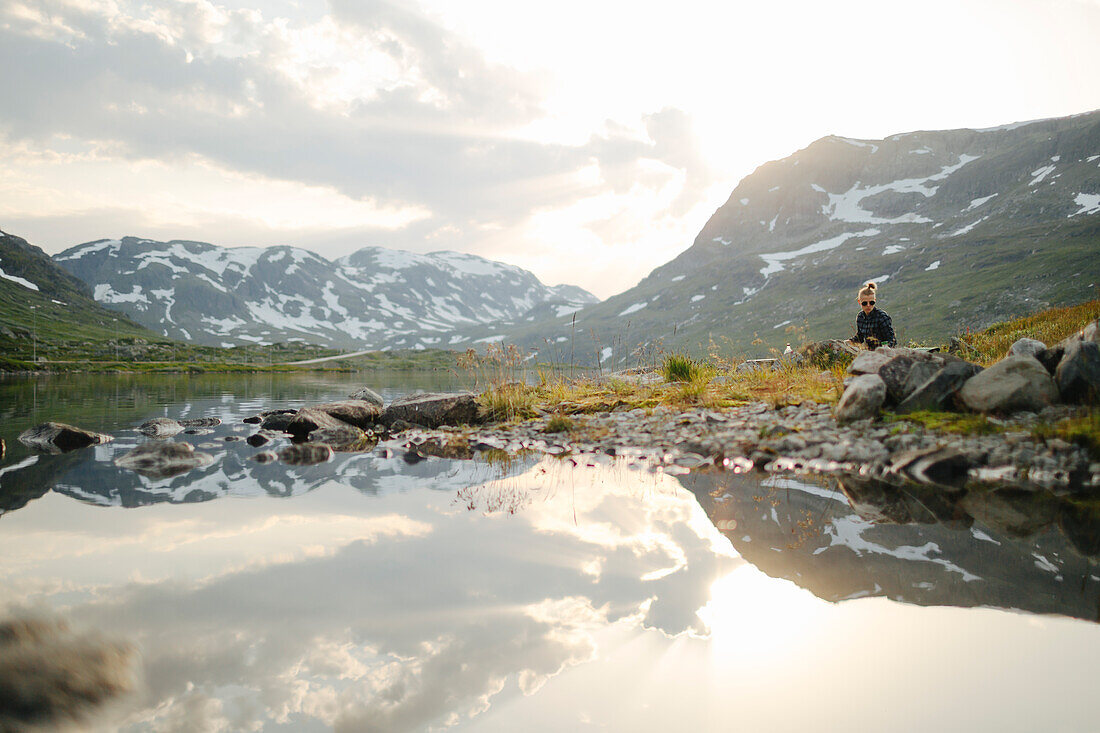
(960, 228)
(40, 302)
(375, 298)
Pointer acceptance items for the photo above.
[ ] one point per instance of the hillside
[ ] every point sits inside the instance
(961, 229)
(42, 306)
(375, 298)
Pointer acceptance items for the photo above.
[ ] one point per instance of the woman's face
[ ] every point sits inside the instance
(867, 303)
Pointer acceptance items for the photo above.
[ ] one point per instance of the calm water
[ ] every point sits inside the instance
(535, 594)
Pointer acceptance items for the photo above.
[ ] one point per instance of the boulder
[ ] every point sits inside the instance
(163, 459)
(1012, 384)
(257, 439)
(367, 395)
(305, 454)
(160, 427)
(869, 362)
(433, 410)
(1051, 357)
(360, 413)
(938, 391)
(57, 437)
(1091, 332)
(862, 399)
(1078, 374)
(1026, 347)
(277, 420)
(308, 419)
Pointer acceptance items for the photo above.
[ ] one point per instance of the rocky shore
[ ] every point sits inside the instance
(802, 438)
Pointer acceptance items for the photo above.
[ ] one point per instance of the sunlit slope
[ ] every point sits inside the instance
(961, 228)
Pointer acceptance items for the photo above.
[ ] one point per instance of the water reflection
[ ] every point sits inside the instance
(370, 593)
(849, 538)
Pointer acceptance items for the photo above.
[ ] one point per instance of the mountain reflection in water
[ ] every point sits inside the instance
(369, 593)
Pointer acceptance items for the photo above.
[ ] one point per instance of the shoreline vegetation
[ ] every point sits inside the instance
(681, 384)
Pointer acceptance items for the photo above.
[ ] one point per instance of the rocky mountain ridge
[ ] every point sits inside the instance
(375, 298)
(960, 228)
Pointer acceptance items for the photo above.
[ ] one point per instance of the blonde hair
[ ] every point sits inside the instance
(868, 291)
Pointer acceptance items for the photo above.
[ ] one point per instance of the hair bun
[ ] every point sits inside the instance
(871, 286)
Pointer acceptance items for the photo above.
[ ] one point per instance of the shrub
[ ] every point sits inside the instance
(679, 368)
(558, 424)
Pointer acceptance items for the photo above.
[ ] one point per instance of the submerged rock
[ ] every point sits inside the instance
(433, 410)
(163, 459)
(50, 675)
(57, 437)
(160, 427)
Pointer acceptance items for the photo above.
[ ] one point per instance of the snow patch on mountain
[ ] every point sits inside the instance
(1089, 203)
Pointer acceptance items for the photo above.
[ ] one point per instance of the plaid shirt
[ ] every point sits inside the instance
(875, 324)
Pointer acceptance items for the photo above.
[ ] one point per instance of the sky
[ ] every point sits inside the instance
(585, 141)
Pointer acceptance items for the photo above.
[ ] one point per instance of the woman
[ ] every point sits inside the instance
(873, 326)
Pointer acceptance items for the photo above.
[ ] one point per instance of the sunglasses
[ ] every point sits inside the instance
(866, 302)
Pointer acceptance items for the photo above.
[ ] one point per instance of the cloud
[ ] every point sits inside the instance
(415, 630)
(375, 100)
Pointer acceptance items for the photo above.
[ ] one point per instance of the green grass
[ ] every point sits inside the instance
(679, 368)
(1082, 431)
(948, 422)
(1049, 326)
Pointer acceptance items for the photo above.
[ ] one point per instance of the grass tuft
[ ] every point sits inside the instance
(679, 368)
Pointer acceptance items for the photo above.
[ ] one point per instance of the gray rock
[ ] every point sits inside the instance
(277, 420)
(57, 437)
(938, 392)
(862, 399)
(160, 427)
(1078, 374)
(305, 454)
(257, 439)
(308, 419)
(360, 413)
(433, 410)
(1012, 384)
(162, 459)
(1026, 347)
(869, 362)
(367, 395)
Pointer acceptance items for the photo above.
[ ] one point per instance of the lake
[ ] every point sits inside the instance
(371, 593)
